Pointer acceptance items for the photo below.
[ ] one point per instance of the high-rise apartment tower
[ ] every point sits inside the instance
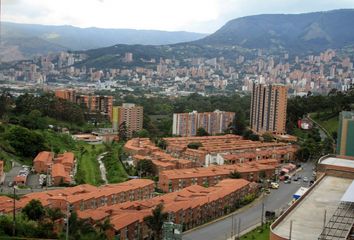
(129, 113)
(268, 108)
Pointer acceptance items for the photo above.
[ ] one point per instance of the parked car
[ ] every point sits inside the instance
(287, 181)
(305, 179)
(267, 191)
(274, 185)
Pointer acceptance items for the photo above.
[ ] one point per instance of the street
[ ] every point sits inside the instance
(278, 199)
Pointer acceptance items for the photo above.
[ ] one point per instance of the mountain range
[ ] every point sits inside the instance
(293, 32)
(27, 40)
(300, 33)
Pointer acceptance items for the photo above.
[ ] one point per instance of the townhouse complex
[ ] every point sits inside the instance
(190, 207)
(187, 124)
(174, 180)
(144, 149)
(85, 196)
(61, 168)
(214, 149)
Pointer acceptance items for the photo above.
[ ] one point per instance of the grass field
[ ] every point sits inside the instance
(257, 234)
(88, 167)
(115, 170)
(330, 124)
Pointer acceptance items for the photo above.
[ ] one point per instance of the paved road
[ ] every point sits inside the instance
(275, 201)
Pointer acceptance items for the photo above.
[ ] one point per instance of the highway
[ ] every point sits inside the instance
(276, 200)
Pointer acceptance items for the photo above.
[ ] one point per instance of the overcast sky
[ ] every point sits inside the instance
(187, 15)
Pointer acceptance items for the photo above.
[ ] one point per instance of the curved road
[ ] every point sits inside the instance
(250, 217)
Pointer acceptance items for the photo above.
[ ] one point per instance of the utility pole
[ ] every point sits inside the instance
(232, 225)
(67, 220)
(235, 229)
(239, 228)
(14, 214)
(324, 220)
(262, 214)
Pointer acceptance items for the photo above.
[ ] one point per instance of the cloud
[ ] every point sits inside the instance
(192, 15)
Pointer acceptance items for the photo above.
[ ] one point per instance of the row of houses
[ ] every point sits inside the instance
(144, 149)
(190, 207)
(213, 149)
(61, 168)
(174, 180)
(85, 196)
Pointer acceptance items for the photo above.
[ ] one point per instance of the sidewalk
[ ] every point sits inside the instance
(257, 200)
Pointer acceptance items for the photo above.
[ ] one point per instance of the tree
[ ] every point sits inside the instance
(145, 167)
(239, 125)
(194, 145)
(267, 137)
(33, 120)
(156, 220)
(202, 132)
(161, 143)
(141, 134)
(81, 229)
(103, 227)
(25, 142)
(254, 137)
(5, 103)
(122, 132)
(34, 210)
(235, 175)
(54, 214)
(327, 146)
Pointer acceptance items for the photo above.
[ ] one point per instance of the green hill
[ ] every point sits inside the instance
(330, 123)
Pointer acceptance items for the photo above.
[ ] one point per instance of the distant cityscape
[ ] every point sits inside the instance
(300, 74)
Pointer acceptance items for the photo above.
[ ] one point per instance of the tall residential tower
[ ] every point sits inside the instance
(129, 113)
(268, 108)
(186, 124)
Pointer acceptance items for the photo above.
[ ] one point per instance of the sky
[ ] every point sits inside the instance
(204, 16)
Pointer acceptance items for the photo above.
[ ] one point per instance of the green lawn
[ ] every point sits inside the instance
(88, 167)
(115, 170)
(257, 234)
(330, 124)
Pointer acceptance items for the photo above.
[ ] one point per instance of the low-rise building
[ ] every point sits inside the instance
(144, 149)
(42, 161)
(86, 196)
(212, 148)
(174, 180)
(190, 207)
(61, 168)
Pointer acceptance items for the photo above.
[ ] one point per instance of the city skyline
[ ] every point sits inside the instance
(157, 14)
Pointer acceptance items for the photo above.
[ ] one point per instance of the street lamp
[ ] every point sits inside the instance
(14, 212)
